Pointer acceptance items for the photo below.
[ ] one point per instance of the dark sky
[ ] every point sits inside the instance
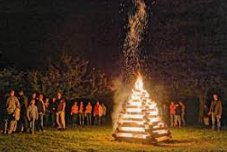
(32, 31)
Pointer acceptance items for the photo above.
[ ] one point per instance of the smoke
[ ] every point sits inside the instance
(120, 97)
(131, 64)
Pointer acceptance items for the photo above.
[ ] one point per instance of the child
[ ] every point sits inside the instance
(88, 113)
(81, 113)
(32, 114)
(74, 113)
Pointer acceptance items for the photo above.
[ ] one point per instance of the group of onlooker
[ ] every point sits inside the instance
(28, 115)
(81, 112)
(177, 114)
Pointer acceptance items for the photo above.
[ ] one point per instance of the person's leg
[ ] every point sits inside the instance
(175, 120)
(46, 116)
(11, 126)
(6, 121)
(172, 120)
(41, 122)
(99, 120)
(25, 123)
(15, 126)
(183, 119)
(30, 126)
(83, 118)
(218, 123)
(95, 120)
(53, 119)
(57, 120)
(62, 115)
(74, 120)
(213, 120)
(90, 118)
(32, 122)
(179, 120)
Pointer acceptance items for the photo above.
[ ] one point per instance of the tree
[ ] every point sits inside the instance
(186, 47)
(72, 76)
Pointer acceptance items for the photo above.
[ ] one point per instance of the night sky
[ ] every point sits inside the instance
(33, 31)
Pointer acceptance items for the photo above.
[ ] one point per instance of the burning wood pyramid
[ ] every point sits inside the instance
(139, 121)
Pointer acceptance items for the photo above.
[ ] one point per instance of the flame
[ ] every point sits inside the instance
(139, 83)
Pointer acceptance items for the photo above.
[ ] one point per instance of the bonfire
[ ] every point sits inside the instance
(139, 120)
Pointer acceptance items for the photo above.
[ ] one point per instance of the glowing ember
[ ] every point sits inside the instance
(140, 118)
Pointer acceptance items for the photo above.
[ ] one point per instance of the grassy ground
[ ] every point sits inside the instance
(98, 139)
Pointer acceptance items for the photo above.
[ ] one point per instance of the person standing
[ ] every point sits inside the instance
(216, 112)
(23, 122)
(41, 111)
(74, 114)
(47, 112)
(182, 113)
(103, 116)
(98, 113)
(32, 114)
(88, 114)
(81, 113)
(178, 115)
(53, 111)
(11, 104)
(60, 115)
(172, 112)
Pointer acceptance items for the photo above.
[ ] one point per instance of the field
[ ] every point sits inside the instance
(98, 139)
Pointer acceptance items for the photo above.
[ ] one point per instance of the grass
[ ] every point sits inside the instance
(98, 139)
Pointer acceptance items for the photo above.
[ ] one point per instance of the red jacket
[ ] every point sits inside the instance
(172, 109)
(96, 110)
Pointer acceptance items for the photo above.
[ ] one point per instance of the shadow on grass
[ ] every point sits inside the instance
(175, 143)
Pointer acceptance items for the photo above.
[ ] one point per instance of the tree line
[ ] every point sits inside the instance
(72, 75)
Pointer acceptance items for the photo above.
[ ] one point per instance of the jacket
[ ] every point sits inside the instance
(32, 112)
(11, 104)
(216, 107)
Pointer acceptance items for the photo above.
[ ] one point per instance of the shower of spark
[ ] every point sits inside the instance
(136, 25)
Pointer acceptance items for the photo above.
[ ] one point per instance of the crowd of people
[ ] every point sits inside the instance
(29, 115)
(213, 113)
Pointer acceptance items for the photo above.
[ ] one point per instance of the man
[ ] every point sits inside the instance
(53, 110)
(23, 122)
(41, 111)
(11, 104)
(216, 112)
(60, 115)
(182, 113)
(178, 115)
